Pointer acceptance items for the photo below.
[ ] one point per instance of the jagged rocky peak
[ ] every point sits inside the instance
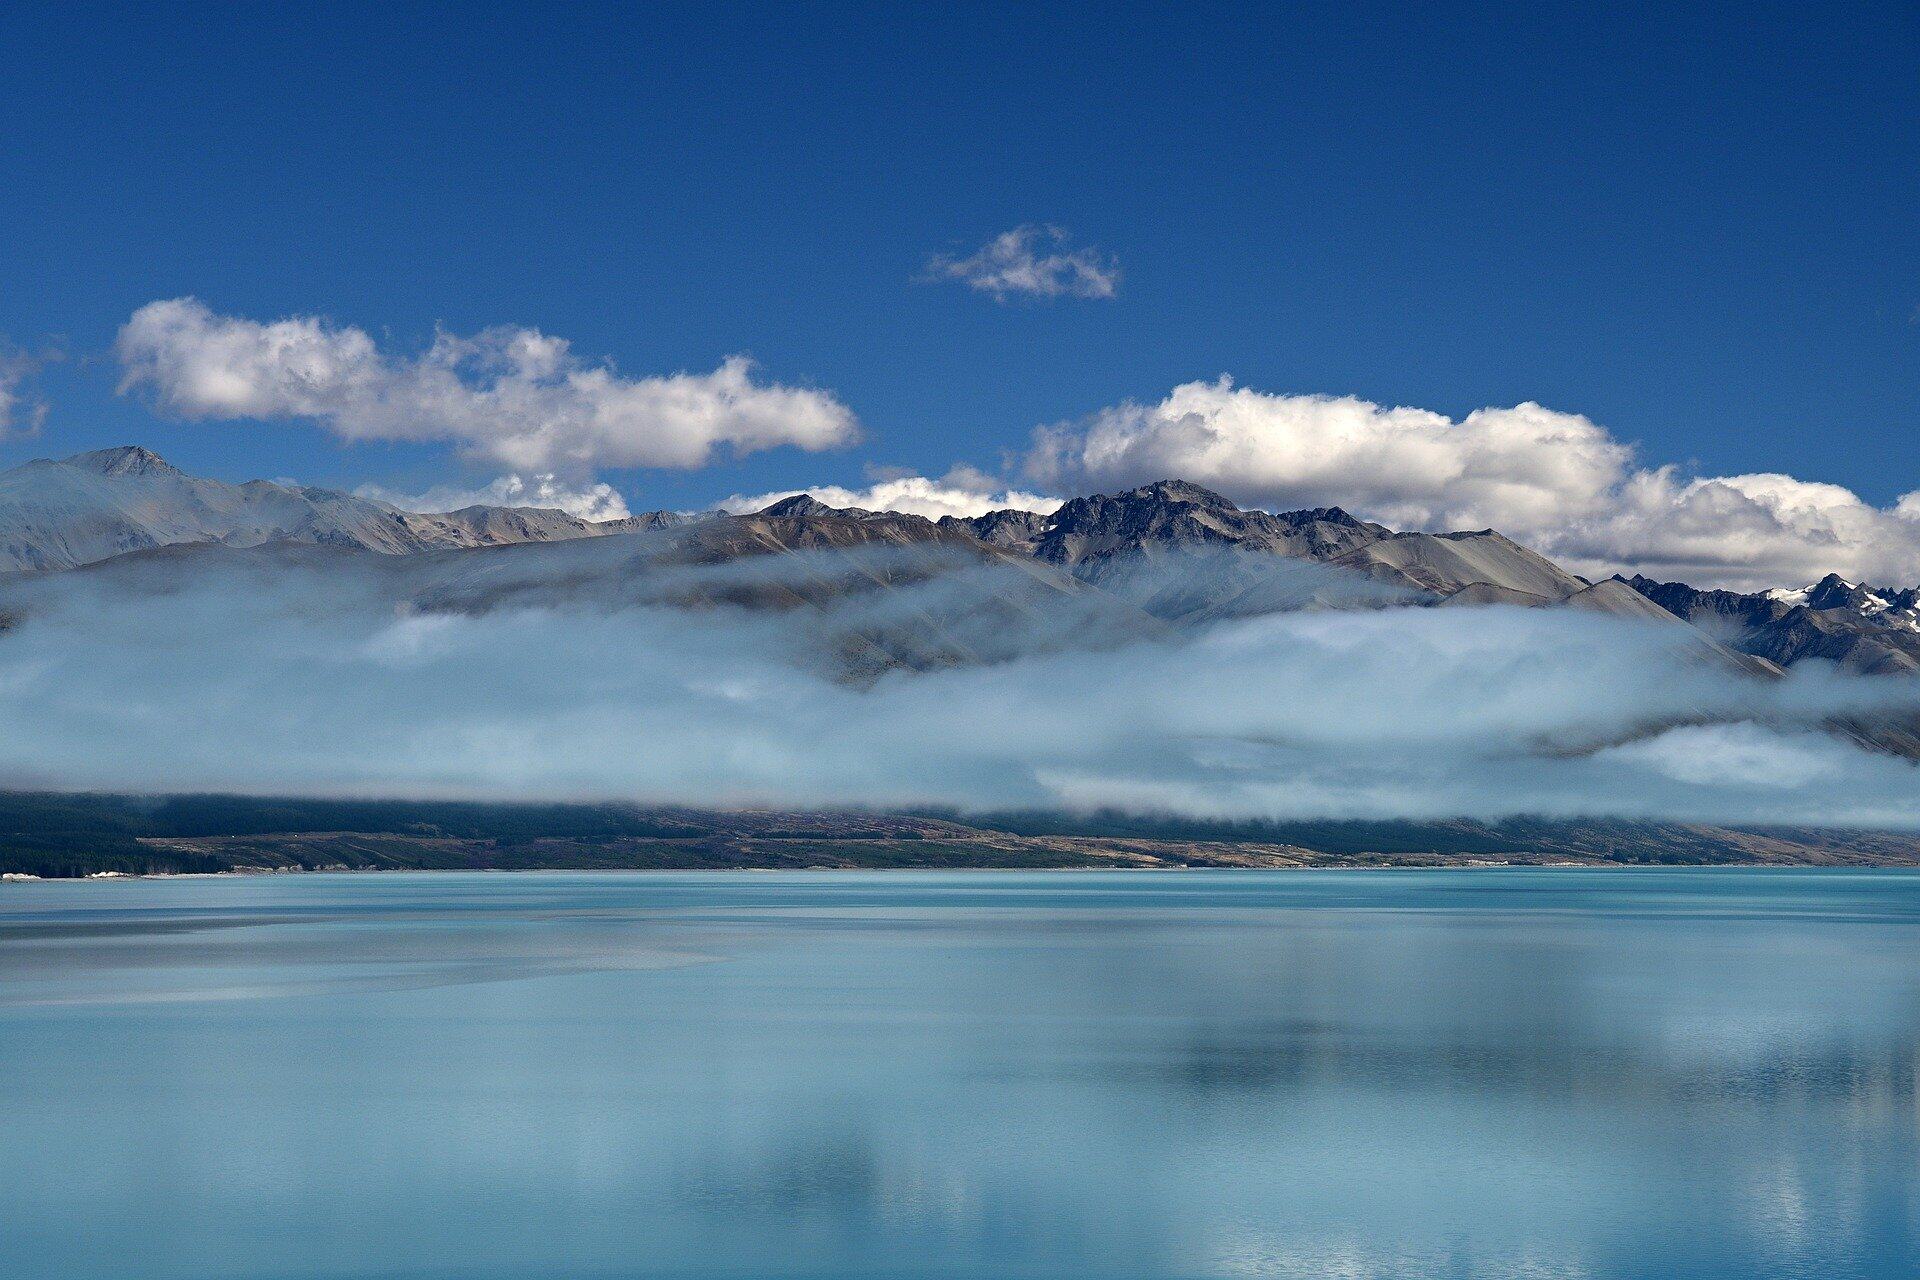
(1090, 535)
(1172, 499)
(1323, 515)
(1177, 491)
(123, 460)
(1154, 504)
(1010, 528)
(1693, 603)
(1835, 592)
(653, 521)
(802, 506)
(1861, 628)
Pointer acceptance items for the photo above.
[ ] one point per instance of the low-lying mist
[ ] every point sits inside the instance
(834, 680)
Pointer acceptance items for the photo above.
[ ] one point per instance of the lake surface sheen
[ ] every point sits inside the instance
(1477, 1073)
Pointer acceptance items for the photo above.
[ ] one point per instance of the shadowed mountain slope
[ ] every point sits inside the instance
(1871, 630)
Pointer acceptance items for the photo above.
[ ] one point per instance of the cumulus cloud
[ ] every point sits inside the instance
(512, 396)
(1031, 262)
(1556, 481)
(21, 413)
(962, 492)
(587, 501)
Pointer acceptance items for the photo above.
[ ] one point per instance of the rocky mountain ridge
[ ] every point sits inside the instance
(1174, 551)
(1875, 631)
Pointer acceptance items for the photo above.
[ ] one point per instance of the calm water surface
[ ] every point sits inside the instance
(1463, 1073)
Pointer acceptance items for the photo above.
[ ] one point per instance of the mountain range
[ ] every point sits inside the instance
(1170, 553)
(1867, 629)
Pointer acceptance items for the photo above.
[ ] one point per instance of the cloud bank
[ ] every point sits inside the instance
(1031, 262)
(511, 396)
(1557, 482)
(585, 501)
(316, 671)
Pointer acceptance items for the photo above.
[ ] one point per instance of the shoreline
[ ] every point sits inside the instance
(13, 878)
(106, 837)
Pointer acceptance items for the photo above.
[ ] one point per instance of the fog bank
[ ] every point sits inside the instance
(325, 674)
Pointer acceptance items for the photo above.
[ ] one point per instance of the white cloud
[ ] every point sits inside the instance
(1018, 263)
(21, 414)
(1742, 754)
(513, 396)
(962, 492)
(1556, 481)
(590, 501)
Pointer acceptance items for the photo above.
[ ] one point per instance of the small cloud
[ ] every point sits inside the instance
(963, 492)
(594, 501)
(21, 412)
(1031, 261)
(1737, 755)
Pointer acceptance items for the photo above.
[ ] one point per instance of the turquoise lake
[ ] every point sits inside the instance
(1473, 1073)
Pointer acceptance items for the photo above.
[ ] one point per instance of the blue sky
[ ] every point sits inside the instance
(1697, 229)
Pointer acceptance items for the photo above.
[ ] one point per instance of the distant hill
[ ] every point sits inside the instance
(59, 514)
